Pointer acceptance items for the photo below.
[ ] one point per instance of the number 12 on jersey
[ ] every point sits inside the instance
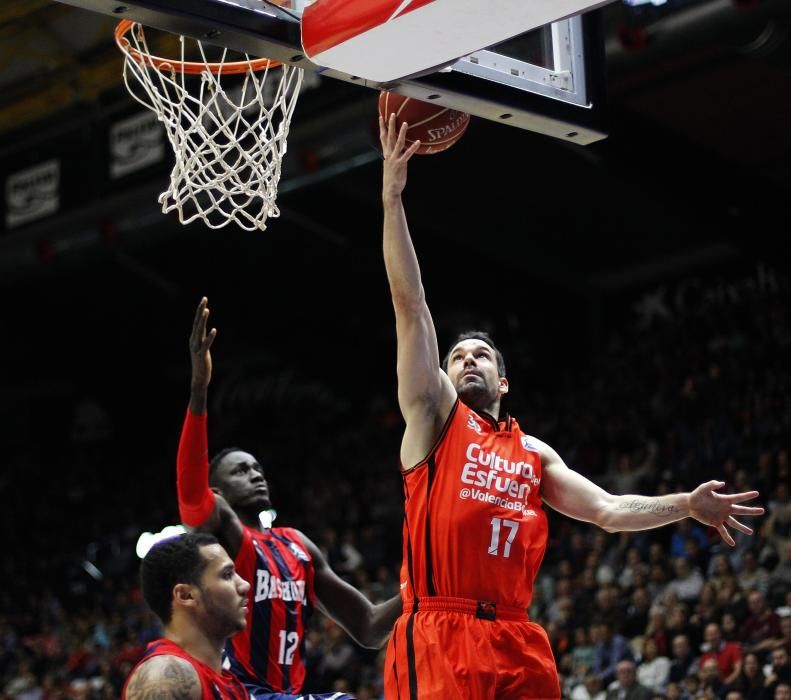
(494, 544)
(288, 645)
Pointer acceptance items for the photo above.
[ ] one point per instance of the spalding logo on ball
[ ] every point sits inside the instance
(436, 127)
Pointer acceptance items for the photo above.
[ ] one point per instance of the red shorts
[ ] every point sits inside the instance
(457, 648)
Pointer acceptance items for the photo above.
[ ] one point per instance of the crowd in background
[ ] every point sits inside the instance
(668, 614)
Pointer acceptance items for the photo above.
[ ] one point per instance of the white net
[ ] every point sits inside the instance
(227, 123)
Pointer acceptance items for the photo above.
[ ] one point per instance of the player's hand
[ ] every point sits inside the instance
(200, 342)
(719, 509)
(396, 156)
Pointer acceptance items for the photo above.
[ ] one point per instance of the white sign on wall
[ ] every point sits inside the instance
(135, 143)
(32, 193)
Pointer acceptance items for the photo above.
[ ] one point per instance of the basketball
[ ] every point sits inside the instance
(436, 127)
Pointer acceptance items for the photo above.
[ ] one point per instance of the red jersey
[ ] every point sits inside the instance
(474, 525)
(214, 686)
(269, 653)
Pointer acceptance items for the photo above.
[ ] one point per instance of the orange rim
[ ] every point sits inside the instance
(188, 67)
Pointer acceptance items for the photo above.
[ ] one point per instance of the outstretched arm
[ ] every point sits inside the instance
(367, 623)
(199, 507)
(574, 495)
(425, 394)
(165, 677)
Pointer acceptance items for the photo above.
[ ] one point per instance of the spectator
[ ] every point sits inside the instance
(707, 608)
(675, 691)
(782, 692)
(583, 653)
(710, 681)
(678, 623)
(761, 629)
(684, 531)
(725, 654)
(729, 627)
(636, 619)
(730, 598)
(611, 648)
(634, 566)
(720, 571)
(691, 686)
(562, 600)
(687, 582)
(752, 576)
(626, 686)
(657, 629)
(750, 678)
(653, 670)
(784, 641)
(683, 662)
(779, 671)
(589, 689)
(778, 521)
(780, 578)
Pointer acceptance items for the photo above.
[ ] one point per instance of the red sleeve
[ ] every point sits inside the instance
(196, 500)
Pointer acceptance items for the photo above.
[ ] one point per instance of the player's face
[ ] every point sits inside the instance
(223, 594)
(472, 369)
(242, 482)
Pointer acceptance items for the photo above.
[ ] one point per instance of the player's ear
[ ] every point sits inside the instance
(184, 595)
(503, 386)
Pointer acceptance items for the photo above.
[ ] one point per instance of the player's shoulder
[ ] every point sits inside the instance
(534, 444)
(300, 544)
(164, 676)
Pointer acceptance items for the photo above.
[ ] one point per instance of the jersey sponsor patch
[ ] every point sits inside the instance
(298, 553)
(529, 446)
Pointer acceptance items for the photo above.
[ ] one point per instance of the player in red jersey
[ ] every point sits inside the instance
(287, 572)
(190, 582)
(475, 530)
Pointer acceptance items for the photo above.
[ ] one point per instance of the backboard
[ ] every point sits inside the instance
(548, 79)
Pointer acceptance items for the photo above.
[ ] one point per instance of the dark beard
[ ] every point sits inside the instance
(478, 398)
(220, 623)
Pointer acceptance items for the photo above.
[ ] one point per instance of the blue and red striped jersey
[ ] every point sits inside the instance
(270, 651)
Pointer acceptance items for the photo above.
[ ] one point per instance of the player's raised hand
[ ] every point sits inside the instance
(396, 156)
(200, 343)
(719, 510)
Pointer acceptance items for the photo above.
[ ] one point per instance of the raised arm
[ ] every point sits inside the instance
(367, 623)
(425, 394)
(199, 507)
(165, 677)
(572, 494)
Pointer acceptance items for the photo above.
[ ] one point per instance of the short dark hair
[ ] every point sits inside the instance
(476, 335)
(215, 461)
(169, 562)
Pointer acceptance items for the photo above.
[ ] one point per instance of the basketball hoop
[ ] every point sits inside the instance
(228, 140)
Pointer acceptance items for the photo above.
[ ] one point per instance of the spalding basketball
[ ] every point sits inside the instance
(436, 127)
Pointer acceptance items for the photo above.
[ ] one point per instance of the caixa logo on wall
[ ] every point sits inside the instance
(135, 143)
(32, 193)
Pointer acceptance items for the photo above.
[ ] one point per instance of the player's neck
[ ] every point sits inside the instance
(489, 410)
(251, 519)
